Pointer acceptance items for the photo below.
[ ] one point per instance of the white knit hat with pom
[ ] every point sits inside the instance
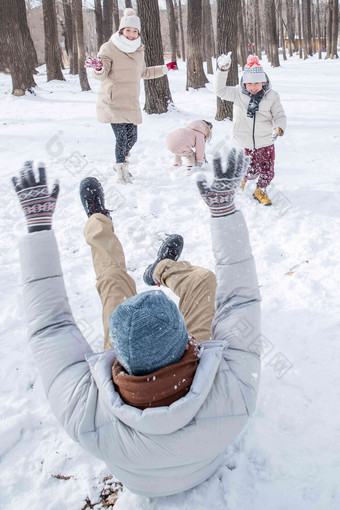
(129, 19)
(253, 71)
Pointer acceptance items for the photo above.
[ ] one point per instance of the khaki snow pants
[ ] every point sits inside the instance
(194, 285)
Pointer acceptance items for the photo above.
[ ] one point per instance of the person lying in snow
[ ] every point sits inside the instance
(160, 407)
(258, 119)
(120, 66)
(182, 141)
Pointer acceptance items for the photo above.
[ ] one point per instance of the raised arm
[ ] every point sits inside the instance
(237, 319)
(57, 343)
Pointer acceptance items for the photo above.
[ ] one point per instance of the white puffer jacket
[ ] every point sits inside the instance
(163, 450)
(256, 132)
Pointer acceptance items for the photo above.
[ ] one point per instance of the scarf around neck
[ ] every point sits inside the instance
(160, 388)
(124, 44)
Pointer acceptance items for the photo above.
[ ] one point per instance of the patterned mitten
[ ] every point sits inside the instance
(220, 196)
(37, 203)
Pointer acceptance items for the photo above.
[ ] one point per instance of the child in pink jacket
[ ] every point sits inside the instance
(182, 141)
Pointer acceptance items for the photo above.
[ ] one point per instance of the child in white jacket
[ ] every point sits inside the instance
(258, 119)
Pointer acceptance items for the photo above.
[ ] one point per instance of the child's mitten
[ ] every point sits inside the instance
(37, 203)
(171, 65)
(93, 63)
(277, 131)
(224, 62)
(220, 196)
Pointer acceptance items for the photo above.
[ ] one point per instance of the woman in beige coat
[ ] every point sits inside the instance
(120, 66)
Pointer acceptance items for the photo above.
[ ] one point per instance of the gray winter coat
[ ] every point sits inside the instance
(164, 450)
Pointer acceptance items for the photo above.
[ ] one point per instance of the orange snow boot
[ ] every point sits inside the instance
(260, 194)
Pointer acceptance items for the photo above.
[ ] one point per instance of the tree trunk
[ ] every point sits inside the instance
(208, 34)
(172, 28)
(290, 27)
(309, 27)
(32, 58)
(181, 29)
(196, 77)
(272, 32)
(318, 28)
(52, 55)
(115, 15)
(329, 29)
(257, 29)
(99, 23)
(77, 9)
(282, 31)
(13, 50)
(298, 9)
(242, 46)
(74, 54)
(335, 30)
(177, 29)
(227, 37)
(128, 3)
(157, 92)
(107, 18)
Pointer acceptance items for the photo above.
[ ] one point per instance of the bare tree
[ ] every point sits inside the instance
(99, 22)
(107, 18)
(290, 27)
(195, 73)
(172, 28)
(181, 29)
(308, 26)
(157, 92)
(298, 12)
(115, 14)
(329, 28)
(208, 35)
(28, 42)
(77, 10)
(13, 56)
(318, 28)
(227, 37)
(52, 53)
(242, 44)
(257, 29)
(282, 32)
(335, 29)
(271, 33)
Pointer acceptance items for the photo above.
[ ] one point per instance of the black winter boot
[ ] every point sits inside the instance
(92, 197)
(171, 249)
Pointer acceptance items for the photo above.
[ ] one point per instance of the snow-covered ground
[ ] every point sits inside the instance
(289, 454)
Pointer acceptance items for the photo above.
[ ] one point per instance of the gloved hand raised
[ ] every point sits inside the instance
(93, 63)
(224, 62)
(171, 65)
(220, 196)
(37, 203)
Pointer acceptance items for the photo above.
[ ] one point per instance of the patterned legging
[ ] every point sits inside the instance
(126, 137)
(261, 164)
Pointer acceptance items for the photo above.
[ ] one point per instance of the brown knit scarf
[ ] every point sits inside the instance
(161, 388)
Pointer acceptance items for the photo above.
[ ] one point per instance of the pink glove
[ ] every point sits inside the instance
(93, 63)
(171, 65)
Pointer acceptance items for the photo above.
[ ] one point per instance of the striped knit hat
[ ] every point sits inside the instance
(253, 71)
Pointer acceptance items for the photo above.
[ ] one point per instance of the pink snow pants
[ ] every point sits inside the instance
(261, 164)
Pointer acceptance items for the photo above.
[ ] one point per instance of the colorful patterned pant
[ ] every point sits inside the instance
(126, 137)
(261, 165)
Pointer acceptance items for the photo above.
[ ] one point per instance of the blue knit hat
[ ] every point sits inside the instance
(148, 332)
